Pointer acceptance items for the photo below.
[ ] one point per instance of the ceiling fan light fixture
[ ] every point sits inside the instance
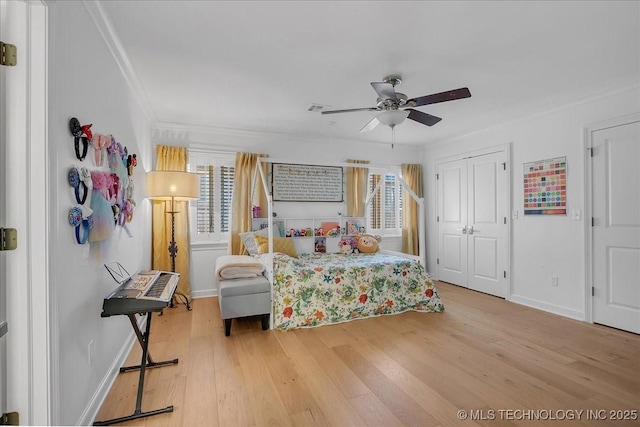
(393, 117)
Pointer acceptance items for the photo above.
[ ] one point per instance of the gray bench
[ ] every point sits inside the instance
(244, 297)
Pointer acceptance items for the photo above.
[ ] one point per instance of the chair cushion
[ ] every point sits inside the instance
(243, 286)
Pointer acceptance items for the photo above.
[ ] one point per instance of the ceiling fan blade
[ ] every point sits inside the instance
(371, 125)
(385, 90)
(440, 97)
(424, 118)
(350, 110)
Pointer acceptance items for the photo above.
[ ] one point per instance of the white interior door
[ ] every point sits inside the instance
(616, 226)
(452, 222)
(487, 229)
(3, 268)
(24, 206)
(472, 223)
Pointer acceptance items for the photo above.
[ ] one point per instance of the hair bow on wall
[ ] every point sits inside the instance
(76, 181)
(81, 217)
(100, 143)
(132, 162)
(80, 133)
(112, 191)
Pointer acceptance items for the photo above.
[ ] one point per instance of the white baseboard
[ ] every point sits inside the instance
(551, 308)
(204, 294)
(89, 414)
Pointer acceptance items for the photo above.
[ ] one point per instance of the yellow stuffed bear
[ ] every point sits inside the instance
(368, 243)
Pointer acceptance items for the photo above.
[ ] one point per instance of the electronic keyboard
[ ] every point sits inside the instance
(144, 292)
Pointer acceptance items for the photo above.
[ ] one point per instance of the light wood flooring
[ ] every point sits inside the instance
(500, 362)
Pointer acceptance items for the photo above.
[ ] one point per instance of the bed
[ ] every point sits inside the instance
(327, 288)
(322, 289)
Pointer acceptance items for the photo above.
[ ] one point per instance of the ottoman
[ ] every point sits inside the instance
(244, 297)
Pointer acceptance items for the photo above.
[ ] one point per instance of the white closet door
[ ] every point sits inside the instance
(487, 228)
(616, 230)
(452, 221)
(473, 233)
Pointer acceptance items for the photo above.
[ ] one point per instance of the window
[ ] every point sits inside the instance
(211, 213)
(384, 214)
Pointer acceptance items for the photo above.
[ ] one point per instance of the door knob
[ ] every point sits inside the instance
(463, 229)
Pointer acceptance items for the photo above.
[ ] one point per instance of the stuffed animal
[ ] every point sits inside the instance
(345, 248)
(368, 244)
(348, 246)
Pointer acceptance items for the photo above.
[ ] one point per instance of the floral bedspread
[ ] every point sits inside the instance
(321, 289)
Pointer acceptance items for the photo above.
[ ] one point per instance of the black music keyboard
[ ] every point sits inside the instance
(144, 292)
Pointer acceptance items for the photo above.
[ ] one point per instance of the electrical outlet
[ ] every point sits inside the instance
(554, 281)
(91, 351)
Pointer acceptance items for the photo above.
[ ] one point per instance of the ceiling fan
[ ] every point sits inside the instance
(396, 106)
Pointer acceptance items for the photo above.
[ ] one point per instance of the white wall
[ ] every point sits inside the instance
(542, 246)
(85, 82)
(282, 148)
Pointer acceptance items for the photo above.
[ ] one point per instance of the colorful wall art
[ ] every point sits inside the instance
(545, 187)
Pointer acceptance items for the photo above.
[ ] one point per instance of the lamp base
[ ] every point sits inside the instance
(184, 297)
(173, 252)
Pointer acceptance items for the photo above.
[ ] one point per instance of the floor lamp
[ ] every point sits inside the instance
(173, 186)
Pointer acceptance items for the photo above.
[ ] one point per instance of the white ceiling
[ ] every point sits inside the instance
(258, 65)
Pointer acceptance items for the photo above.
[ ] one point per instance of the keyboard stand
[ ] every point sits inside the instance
(146, 362)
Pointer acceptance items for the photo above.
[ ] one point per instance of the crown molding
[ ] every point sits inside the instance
(202, 133)
(108, 33)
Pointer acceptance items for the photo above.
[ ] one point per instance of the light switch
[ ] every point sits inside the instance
(576, 215)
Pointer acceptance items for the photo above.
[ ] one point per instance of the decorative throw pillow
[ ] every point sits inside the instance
(280, 244)
(250, 243)
(367, 243)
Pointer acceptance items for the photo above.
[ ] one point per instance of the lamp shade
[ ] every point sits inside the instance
(167, 185)
(393, 117)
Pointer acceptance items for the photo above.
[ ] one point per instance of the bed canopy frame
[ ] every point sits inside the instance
(259, 173)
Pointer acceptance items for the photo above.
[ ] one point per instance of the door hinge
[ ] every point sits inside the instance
(437, 260)
(504, 166)
(590, 151)
(437, 176)
(438, 218)
(505, 219)
(8, 54)
(504, 274)
(593, 222)
(10, 419)
(8, 239)
(593, 291)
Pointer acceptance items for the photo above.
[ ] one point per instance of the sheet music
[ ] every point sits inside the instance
(143, 279)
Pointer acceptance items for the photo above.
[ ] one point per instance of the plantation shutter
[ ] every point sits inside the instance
(205, 205)
(390, 201)
(226, 196)
(375, 206)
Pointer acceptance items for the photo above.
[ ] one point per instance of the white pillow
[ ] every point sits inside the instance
(250, 243)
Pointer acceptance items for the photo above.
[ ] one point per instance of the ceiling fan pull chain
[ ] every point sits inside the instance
(393, 137)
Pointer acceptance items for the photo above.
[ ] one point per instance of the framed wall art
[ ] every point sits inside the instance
(545, 187)
(306, 183)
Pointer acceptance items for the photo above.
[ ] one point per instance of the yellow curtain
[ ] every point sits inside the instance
(242, 203)
(171, 159)
(356, 188)
(412, 174)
